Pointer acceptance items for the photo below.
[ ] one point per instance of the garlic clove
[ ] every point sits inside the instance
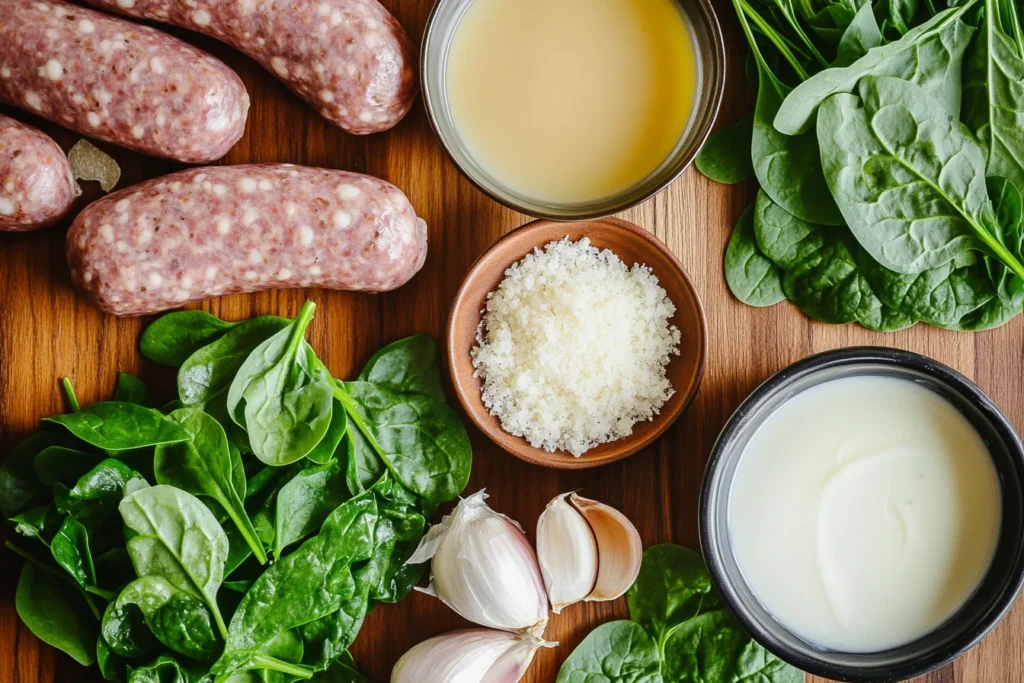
(514, 662)
(484, 568)
(567, 553)
(469, 656)
(619, 549)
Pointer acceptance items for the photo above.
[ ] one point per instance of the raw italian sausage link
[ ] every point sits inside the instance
(221, 230)
(36, 185)
(350, 59)
(110, 79)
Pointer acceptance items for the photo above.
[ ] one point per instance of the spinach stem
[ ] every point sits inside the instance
(743, 11)
(275, 664)
(254, 544)
(795, 23)
(101, 593)
(353, 413)
(32, 559)
(69, 391)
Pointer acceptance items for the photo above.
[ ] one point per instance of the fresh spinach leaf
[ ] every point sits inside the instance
(206, 465)
(172, 338)
(940, 296)
(409, 365)
(725, 157)
(751, 276)
(179, 539)
(166, 669)
(930, 55)
(208, 371)
(363, 466)
(116, 426)
(97, 493)
(63, 465)
(19, 485)
(305, 502)
(178, 620)
(70, 549)
(909, 181)
(55, 615)
(326, 450)
(282, 395)
(112, 666)
(993, 96)
(679, 631)
(418, 437)
(41, 522)
(617, 652)
(823, 273)
(131, 389)
(341, 671)
(860, 36)
(788, 168)
(308, 584)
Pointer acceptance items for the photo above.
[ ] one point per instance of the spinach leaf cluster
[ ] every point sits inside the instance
(679, 630)
(887, 140)
(147, 532)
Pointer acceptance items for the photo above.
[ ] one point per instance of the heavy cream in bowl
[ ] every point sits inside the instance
(864, 512)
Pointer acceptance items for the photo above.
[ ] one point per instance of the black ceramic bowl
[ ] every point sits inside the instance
(965, 628)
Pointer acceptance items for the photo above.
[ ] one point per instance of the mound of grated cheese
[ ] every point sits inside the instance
(573, 346)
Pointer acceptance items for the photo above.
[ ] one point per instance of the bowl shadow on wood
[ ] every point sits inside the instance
(632, 245)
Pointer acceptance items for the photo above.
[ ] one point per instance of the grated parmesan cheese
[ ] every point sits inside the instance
(573, 346)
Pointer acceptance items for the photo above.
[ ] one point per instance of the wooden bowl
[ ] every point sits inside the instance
(632, 245)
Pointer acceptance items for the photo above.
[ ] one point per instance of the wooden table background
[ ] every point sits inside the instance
(46, 332)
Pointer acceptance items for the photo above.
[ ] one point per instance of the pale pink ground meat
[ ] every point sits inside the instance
(211, 231)
(36, 185)
(349, 59)
(114, 80)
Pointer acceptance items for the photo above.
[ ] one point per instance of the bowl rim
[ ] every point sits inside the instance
(469, 396)
(715, 97)
(711, 544)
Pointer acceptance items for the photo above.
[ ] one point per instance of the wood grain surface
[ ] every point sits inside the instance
(47, 331)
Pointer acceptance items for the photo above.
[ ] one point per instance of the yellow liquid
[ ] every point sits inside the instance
(569, 101)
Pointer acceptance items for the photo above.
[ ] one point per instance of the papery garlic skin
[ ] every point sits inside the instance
(567, 553)
(457, 657)
(484, 568)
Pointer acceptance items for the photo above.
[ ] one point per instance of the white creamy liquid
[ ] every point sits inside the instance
(865, 511)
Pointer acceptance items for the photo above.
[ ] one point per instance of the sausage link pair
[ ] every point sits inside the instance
(36, 185)
(117, 81)
(222, 230)
(349, 59)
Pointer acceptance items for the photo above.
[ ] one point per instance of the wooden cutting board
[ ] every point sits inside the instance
(46, 332)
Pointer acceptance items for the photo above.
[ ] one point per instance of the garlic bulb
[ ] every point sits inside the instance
(587, 551)
(484, 568)
(567, 551)
(470, 656)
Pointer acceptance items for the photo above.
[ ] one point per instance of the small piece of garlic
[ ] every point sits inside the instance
(587, 551)
(469, 656)
(484, 568)
(619, 548)
(88, 162)
(567, 551)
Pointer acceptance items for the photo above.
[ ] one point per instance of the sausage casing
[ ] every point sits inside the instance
(220, 230)
(114, 80)
(349, 59)
(36, 185)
